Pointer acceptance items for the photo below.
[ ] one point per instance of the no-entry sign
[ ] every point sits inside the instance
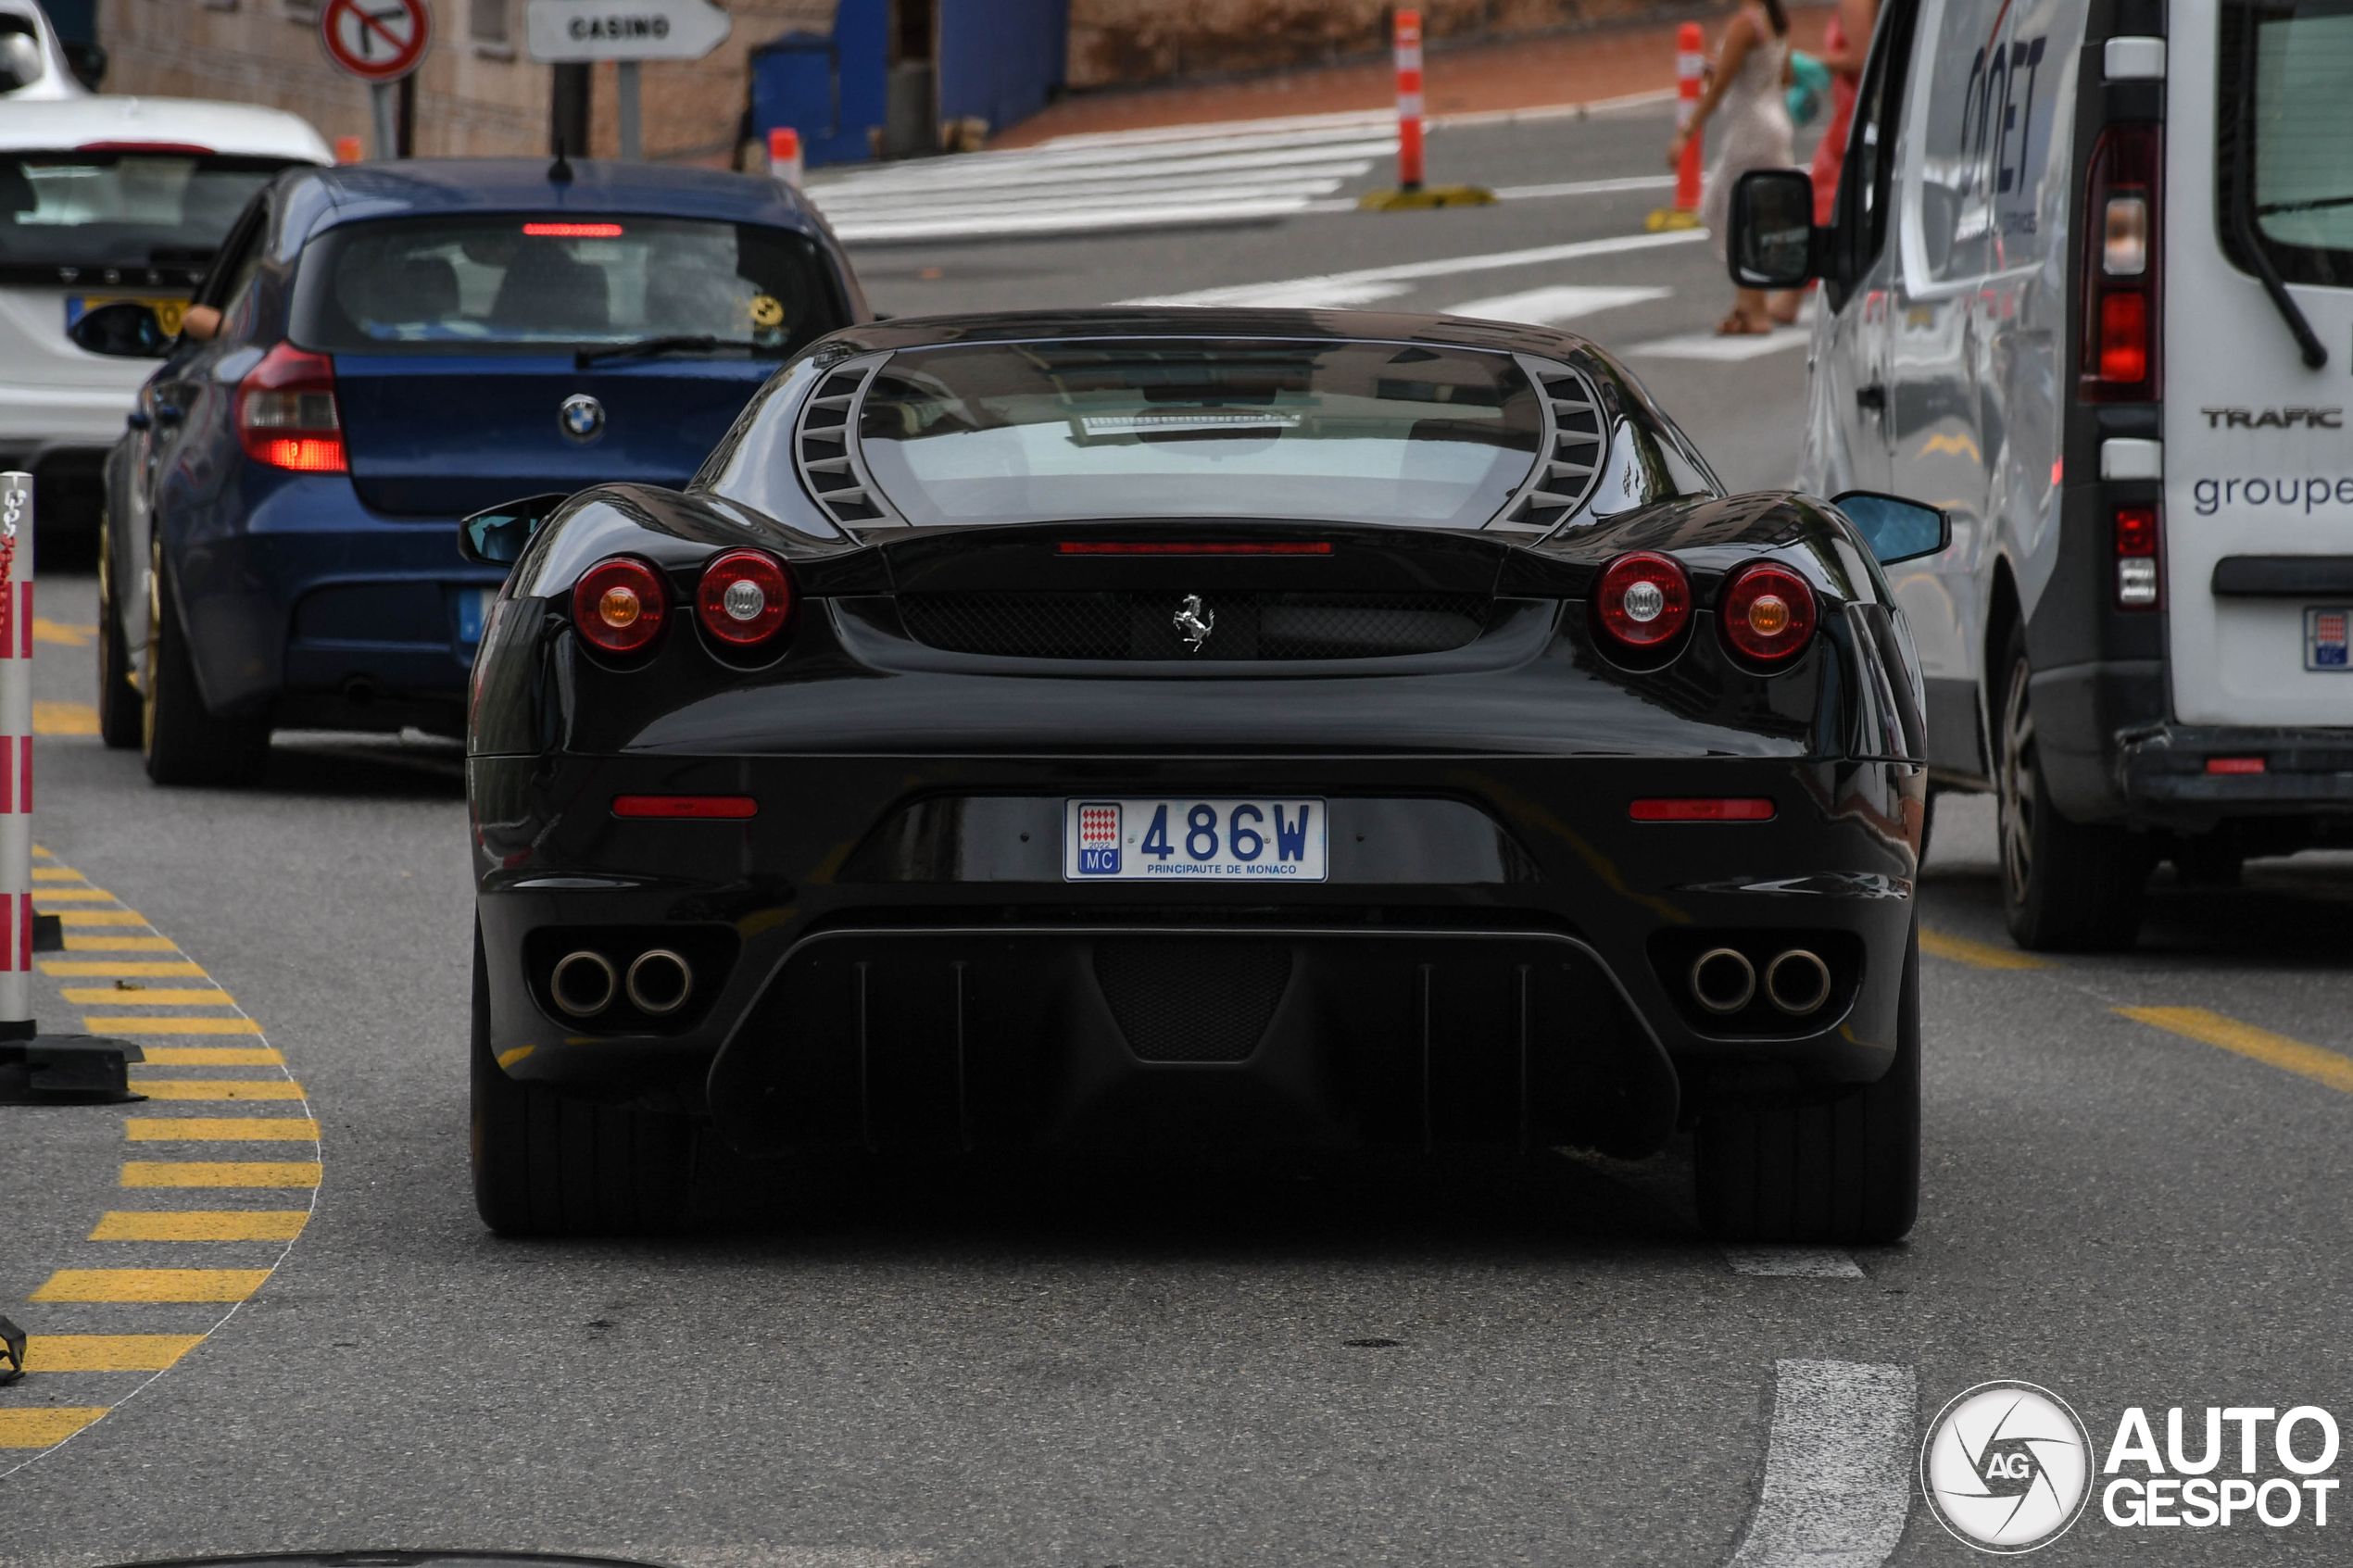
(376, 40)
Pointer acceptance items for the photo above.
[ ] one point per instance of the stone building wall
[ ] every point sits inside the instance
(1123, 42)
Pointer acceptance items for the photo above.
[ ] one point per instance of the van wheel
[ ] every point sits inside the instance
(1844, 1171)
(120, 718)
(2064, 885)
(186, 743)
(549, 1165)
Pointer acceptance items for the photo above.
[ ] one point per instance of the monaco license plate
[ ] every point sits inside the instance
(2325, 639)
(1265, 838)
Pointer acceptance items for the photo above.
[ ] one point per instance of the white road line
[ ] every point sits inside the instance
(1556, 302)
(1021, 169)
(1586, 187)
(1838, 1467)
(1723, 350)
(1793, 1262)
(1406, 271)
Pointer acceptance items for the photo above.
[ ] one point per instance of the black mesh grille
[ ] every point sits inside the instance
(1193, 1001)
(1147, 625)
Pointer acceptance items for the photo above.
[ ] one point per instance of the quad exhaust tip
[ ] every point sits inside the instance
(1723, 980)
(660, 981)
(1797, 982)
(584, 984)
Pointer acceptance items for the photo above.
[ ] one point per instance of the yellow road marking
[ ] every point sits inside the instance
(64, 719)
(65, 633)
(101, 917)
(220, 1129)
(71, 895)
(1981, 955)
(55, 874)
(150, 1285)
(148, 996)
(220, 1173)
(168, 1024)
(41, 1429)
(201, 1224)
(119, 944)
(105, 1352)
(98, 969)
(216, 1088)
(215, 1056)
(2332, 1068)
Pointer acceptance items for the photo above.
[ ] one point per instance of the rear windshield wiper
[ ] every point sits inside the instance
(2242, 209)
(672, 344)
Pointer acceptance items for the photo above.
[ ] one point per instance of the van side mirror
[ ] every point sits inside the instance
(495, 535)
(1772, 242)
(1895, 528)
(125, 330)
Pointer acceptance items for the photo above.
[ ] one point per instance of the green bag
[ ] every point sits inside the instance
(1811, 88)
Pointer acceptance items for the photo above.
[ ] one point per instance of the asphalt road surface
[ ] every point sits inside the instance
(265, 1317)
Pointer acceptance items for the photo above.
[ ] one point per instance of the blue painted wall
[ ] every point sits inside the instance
(998, 59)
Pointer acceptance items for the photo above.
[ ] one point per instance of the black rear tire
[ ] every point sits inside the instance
(549, 1165)
(1844, 1169)
(185, 742)
(2066, 887)
(119, 717)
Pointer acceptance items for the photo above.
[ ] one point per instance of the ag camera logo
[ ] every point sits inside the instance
(2006, 1467)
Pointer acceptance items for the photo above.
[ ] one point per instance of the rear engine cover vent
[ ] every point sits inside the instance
(1576, 441)
(831, 468)
(1127, 625)
(1193, 1001)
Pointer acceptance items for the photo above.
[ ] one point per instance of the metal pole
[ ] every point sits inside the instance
(633, 141)
(383, 101)
(16, 757)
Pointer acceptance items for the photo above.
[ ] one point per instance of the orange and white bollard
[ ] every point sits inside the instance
(1691, 67)
(784, 155)
(347, 149)
(1409, 100)
(16, 757)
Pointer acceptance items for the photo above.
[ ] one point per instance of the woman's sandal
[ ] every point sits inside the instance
(1738, 325)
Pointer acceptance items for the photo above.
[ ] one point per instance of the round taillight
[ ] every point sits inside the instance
(619, 605)
(1642, 601)
(745, 598)
(1767, 614)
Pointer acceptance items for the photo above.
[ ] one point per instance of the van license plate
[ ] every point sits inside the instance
(2325, 639)
(1265, 838)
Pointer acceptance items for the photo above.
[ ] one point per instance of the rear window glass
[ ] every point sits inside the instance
(122, 210)
(2300, 176)
(1374, 433)
(463, 285)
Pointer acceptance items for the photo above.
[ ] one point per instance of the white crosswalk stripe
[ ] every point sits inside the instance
(1096, 184)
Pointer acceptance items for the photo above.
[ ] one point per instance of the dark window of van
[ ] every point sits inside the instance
(2285, 123)
(1865, 181)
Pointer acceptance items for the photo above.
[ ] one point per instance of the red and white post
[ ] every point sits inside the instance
(784, 155)
(1691, 65)
(1409, 100)
(16, 757)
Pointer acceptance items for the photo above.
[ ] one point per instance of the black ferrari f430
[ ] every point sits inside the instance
(1181, 728)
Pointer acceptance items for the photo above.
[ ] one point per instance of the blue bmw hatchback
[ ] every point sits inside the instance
(378, 350)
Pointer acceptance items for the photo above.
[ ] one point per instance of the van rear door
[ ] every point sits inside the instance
(2258, 458)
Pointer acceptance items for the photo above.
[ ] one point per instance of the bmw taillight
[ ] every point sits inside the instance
(619, 604)
(2124, 219)
(1768, 613)
(1642, 601)
(286, 414)
(745, 598)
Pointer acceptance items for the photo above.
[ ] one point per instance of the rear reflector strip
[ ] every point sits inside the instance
(1702, 810)
(1268, 547)
(2234, 765)
(701, 806)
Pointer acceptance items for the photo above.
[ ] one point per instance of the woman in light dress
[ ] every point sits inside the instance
(1752, 64)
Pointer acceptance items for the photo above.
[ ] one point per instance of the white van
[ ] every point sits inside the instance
(105, 199)
(2089, 287)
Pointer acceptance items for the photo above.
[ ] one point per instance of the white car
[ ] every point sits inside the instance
(105, 199)
(33, 62)
(2090, 289)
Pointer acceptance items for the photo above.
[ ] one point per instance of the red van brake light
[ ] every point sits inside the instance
(1642, 601)
(286, 414)
(2123, 210)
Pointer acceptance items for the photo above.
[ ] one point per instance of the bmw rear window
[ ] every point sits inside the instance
(1350, 432)
(525, 283)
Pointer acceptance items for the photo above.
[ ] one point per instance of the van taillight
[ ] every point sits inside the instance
(286, 412)
(2121, 259)
(2136, 579)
